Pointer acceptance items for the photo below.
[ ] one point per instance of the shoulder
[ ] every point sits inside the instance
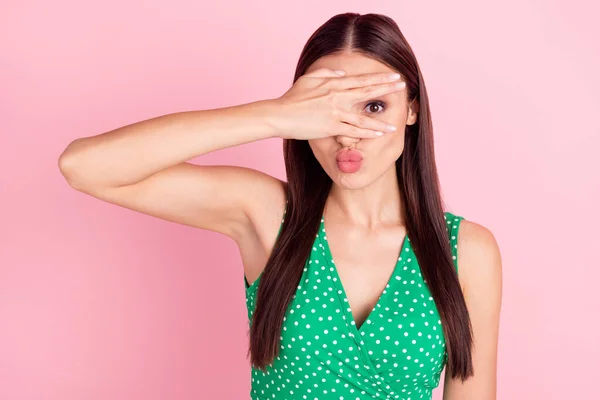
(478, 258)
(265, 208)
(265, 205)
(481, 281)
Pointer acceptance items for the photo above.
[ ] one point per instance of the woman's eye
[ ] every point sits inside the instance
(375, 107)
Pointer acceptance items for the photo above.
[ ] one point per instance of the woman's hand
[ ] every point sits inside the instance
(319, 104)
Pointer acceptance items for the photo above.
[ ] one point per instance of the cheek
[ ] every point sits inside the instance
(316, 146)
(389, 146)
(395, 114)
(319, 148)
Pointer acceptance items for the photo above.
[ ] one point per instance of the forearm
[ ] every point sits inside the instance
(134, 152)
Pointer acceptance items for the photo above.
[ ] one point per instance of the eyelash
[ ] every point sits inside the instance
(379, 103)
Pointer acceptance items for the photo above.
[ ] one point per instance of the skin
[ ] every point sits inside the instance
(365, 228)
(144, 167)
(374, 181)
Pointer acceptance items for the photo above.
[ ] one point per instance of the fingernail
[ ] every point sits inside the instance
(394, 76)
(400, 84)
(379, 133)
(391, 128)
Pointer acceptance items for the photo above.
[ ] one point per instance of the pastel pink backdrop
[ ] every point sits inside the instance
(98, 302)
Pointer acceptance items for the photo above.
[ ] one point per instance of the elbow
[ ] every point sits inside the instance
(68, 168)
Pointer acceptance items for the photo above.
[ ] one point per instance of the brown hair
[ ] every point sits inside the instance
(379, 37)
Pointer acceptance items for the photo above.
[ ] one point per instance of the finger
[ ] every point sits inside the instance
(365, 122)
(354, 131)
(356, 81)
(324, 73)
(369, 92)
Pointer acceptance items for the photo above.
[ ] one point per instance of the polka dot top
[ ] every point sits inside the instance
(399, 351)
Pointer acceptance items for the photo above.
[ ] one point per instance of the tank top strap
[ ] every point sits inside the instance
(452, 225)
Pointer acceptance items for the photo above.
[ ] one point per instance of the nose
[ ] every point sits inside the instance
(346, 141)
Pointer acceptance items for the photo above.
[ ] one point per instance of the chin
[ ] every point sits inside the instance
(351, 181)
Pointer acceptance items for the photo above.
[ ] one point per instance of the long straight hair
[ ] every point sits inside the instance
(379, 37)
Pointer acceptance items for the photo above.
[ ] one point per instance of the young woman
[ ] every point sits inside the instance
(359, 283)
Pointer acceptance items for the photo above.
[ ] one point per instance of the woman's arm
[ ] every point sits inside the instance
(143, 167)
(480, 275)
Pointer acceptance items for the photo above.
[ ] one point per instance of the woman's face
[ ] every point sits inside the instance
(379, 154)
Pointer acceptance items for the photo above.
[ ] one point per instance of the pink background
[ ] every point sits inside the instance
(98, 302)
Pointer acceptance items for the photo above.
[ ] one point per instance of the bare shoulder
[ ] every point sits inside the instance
(478, 256)
(265, 211)
(480, 275)
(265, 206)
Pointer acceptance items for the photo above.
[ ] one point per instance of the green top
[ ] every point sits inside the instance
(399, 352)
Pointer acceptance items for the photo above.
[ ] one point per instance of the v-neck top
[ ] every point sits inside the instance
(398, 352)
